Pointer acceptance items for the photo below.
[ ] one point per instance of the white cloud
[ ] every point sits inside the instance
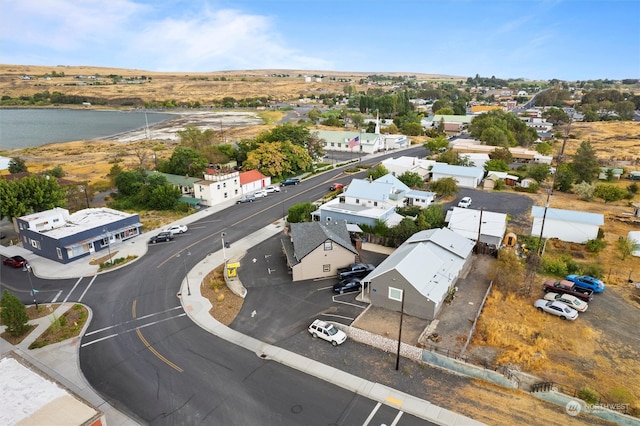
(122, 33)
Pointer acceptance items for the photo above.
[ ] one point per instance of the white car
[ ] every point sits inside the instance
(569, 300)
(261, 193)
(328, 332)
(272, 188)
(465, 202)
(177, 229)
(556, 308)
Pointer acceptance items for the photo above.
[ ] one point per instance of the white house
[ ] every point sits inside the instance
(355, 142)
(476, 159)
(467, 177)
(566, 225)
(253, 180)
(398, 166)
(218, 186)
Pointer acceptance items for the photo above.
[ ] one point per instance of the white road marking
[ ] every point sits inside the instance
(397, 419)
(71, 291)
(87, 289)
(373, 413)
(132, 329)
(55, 299)
(130, 321)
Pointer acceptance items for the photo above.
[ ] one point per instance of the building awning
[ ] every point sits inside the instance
(352, 227)
(101, 236)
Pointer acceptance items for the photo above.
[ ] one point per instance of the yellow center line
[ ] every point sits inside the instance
(151, 348)
(157, 354)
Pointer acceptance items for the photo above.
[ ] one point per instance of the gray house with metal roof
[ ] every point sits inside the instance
(317, 249)
(422, 270)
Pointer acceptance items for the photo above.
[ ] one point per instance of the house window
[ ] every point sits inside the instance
(328, 245)
(375, 203)
(357, 201)
(59, 253)
(333, 144)
(226, 195)
(218, 186)
(326, 268)
(35, 244)
(395, 294)
(224, 184)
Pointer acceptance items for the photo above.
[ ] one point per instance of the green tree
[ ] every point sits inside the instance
(625, 247)
(294, 133)
(129, 183)
(314, 115)
(496, 166)
(301, 212)
(585, 163)
(564, 178)
(10, 203)
(430, 218)
(444, 187)
(539, 172)
(412, 129)
(17, 165)
(503, 154)
(402, 231)
(196, 139)
(625, 109)
(164, 197)
(609, 193)
(39, 193)
(56, 172)
(184, 161)
(556, 116)
(507, 273)
(14, 314)
(411, 179)
(435, 144)
(377, 172)
(544, 148)
(495, 136)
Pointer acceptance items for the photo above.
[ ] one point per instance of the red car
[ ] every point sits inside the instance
(336, 186)
(15, 261)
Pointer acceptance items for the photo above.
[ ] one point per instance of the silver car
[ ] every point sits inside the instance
(556, 308)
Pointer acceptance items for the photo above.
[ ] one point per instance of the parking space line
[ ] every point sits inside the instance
(397, 419)
(372, 414)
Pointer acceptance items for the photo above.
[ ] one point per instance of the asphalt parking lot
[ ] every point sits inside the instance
(277, 308)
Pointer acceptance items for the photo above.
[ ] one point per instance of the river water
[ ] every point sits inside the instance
(22, 128)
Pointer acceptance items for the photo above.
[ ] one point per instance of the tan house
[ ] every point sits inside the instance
(316, 250)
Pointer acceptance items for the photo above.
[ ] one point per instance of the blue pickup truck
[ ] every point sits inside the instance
(585, 281)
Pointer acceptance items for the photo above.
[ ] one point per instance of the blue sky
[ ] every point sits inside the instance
(567, 40)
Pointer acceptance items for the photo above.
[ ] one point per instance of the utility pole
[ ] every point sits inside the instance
(400, 332)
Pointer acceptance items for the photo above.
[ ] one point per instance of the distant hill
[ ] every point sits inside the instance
(132, 86)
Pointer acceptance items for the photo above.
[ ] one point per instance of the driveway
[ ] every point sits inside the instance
(276, 308)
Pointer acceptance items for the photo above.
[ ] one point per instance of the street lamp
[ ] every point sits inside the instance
(186, 273)
(27, 268)
(224, 253)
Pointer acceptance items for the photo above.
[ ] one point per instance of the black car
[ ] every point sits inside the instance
(347, 286)
(356, 270)
(290, 181)
(161, 237)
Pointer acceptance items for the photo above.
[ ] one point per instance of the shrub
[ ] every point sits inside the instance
(554, 267)
(593, 269)
(596, 245)
(14, 314)
(588, 395)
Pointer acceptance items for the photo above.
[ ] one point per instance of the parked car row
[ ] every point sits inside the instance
(261, 193)
(566, 298)
(168, 234)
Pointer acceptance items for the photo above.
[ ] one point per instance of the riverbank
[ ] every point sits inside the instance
(91, 160)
